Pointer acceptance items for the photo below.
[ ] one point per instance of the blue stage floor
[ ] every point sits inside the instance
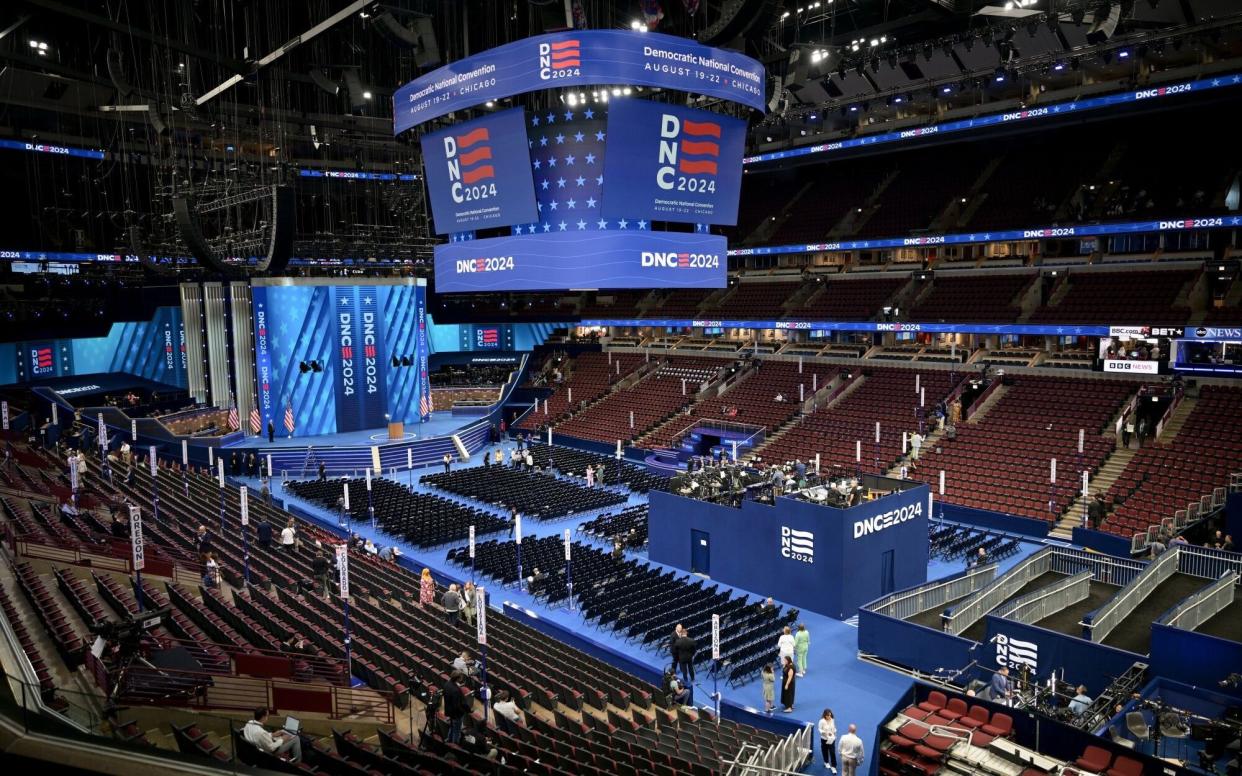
(441, 424)
(857, 692)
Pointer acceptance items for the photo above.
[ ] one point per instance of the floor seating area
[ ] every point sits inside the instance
(639, 601)
(654, 399)
(884, 395)
(573, 462)
(1166, 476)
(535, 495)
(954, 543)
(753, 398)
(629, 526)
(1002, 461)
(422, 519)
(965, 298)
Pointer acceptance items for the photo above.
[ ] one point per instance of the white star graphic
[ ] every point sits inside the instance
(547, 227)
(581, 224)
(560, 138)
(569, 115)
(642, 225)
(603, 224)
(570, 203)
(590, 202)
(552, 204)
(599, 179)
(544, 184)
(560, 183)
(623, 223)
(599, 136)
(590, 114)
(534, 121)
(543, 141)
(552, 161)
(580, 181)
(561, 226)
(536, 164)
(578, 137)
(551, 118)
(569, 160)
(590, 158)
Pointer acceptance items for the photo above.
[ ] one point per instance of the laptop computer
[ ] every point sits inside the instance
(292, 724)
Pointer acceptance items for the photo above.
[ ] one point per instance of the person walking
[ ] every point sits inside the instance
(288, 537)
(469, 602)
(769, 688)
(788, 680)
(851, 750)
(323, 472)
(1127, 432)
(320, 568)
(448, 462)
(683, 652)
(426, 588)
(828, 739)
(785, 646)
(590, 476)
(802, 644)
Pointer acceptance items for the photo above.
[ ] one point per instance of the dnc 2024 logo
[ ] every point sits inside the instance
(472, 176)
(689, 154)
(562, 59)
(797, 545)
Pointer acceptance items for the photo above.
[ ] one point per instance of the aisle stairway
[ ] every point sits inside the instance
(1113, 467)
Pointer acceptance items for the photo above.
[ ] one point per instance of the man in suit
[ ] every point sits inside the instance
(271, 431)
(684, 648)
(456, 705)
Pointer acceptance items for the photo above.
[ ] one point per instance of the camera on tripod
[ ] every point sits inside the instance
(129, 632)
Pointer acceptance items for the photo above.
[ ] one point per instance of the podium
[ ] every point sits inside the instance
(396, 430)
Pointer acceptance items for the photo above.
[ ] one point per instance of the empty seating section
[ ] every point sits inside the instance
(755, 300)
(614, 304)
(575, 462)
(921, 190)
(849, 299)
(938, 735)
(1031, 183)
(422, 519)
(683, 303)
(591, 375)
(1138, 297)
(533, 494)
(753, 398)
(629, 526)
(639, 601)
(445, 398)
(965, 298)
(1166, 476)
(653, 399)
(762, 200)
(884, 395)
(830, 197)
(1002, 461)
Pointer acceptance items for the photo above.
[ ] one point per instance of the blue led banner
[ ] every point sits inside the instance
(1043, 233)
(263, 358)
(1063, 330)
(421, 354)
(580, 58)
(41, 148)
(479, 173)
(1013, 117)
(356, 175)
(579, 260)
(670, 163)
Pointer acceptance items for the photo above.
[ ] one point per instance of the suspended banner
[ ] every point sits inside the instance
(1155, 93)
(1042, 233)
(577, 257)
(580, 58)
(865, 326)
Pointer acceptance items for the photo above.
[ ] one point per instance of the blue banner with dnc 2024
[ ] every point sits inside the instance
(580, 58)
(583, 260)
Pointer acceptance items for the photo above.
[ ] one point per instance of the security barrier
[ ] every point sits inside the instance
(908, 603)
(1042, 603)
(1197, 609)
(1102, 621)
(790, 756)
(971, 611)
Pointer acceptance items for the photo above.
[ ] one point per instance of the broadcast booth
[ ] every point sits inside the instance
(820, 557)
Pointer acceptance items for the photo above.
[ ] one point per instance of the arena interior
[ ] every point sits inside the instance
(581, 387)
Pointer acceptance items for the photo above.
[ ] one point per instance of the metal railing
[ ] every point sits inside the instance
(971, 611)
(1103, 620)
(789, 757)
(1207, 562)
(1042, 603)
(1196, 609)
(1104, 568)
(1208, 504)
(906, 604)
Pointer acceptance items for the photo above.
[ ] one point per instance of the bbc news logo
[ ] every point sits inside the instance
(797, 545)
(41, 361)
(469, 158)
(562, 59)
(688, 149)
(1012, 653)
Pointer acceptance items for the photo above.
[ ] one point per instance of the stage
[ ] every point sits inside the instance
(442, 424)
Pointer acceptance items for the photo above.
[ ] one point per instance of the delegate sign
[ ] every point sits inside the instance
(579, 260)
(670, 163)
(580, 58)
(479, 174)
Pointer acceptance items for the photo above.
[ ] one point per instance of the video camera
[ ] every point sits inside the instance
(130, 630)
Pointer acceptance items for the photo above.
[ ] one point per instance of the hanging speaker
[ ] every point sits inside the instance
(353, 85)
(1107, 17)
(320, 79)
(428, 52)
(116, 71)
(157, 121)
(190, 234)
(280, 242)
(396, 32)
(737, 18)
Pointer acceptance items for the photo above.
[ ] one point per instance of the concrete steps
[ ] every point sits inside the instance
(785, 428)
(1110, 471)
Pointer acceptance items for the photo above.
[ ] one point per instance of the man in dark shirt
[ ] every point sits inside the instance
(684, 648)
(319, 566)
(265, 533)
(202, 541)
(456, 705)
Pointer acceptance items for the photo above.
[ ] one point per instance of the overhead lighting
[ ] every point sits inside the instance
(946, 89)
(572, 99)
(490, 104)
(366, 95)
(785, 15)
(899, 99)
(638, 26)
(1123, 54)
(627, 91)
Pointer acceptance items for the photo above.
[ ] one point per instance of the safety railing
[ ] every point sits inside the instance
(972, 610)
(1198, 608)
(1103, 568)
(790, 756)
(909, 603)
(1102, 621)
(1208, 504)
(1042, 603)
(1207, 562)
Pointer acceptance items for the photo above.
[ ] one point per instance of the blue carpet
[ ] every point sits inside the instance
(857, 692)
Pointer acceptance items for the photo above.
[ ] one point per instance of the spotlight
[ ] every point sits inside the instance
(303, 368)
(396, 362)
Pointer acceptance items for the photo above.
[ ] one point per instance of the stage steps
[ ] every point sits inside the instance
(1110, 471)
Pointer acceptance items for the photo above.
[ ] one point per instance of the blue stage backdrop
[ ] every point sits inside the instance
(1013, 644)
(352, 332)
(580, 58)
(574, 259)
(153, 349)
(479, 173)
(671, 163)
(820, 558)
